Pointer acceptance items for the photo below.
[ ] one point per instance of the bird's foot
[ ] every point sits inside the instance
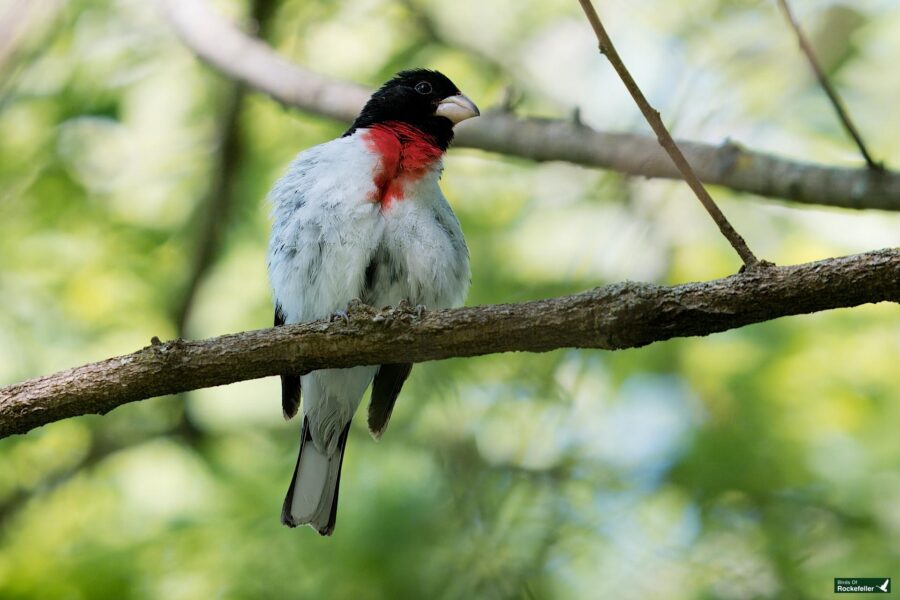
(354, 306)
(405, 307)
(340, 314)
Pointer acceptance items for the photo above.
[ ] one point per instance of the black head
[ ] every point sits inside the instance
(425, 99)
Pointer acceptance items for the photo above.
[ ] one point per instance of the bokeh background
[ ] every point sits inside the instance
(757, 463)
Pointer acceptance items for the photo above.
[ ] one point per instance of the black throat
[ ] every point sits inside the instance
(439, 129)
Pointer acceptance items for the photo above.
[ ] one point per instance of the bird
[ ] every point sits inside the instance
(362, 218)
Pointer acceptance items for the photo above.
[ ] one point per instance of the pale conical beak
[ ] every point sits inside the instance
(457, 108)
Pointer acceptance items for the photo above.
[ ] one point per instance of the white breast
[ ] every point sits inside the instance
(423, 235)
(331, 242)
(324, 229)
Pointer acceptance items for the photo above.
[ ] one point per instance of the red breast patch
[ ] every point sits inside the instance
(405, 155)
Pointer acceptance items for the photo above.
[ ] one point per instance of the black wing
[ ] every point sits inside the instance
(385, 389)
(290, 384)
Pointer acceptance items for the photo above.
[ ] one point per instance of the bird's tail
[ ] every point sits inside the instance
(313, 496)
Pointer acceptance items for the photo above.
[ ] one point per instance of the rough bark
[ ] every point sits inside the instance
(249, 60)
(624, 315)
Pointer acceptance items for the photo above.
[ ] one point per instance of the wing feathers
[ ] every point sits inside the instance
(290, 384)
(385, 389)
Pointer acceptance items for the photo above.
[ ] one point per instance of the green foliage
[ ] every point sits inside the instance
(757, 463)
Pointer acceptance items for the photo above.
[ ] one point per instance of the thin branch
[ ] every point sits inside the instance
(829, 90)
(624, 315)
(729, 164)
(254, 63)
(238, 56)
(665, 138)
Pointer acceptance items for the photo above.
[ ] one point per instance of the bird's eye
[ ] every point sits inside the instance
(423, 87)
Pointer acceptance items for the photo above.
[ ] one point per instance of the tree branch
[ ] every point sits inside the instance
(665, 138)
(624, 315)
(826, 86)
(246, 59)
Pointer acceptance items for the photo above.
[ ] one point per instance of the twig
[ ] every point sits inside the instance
(665, 139)
(236, 55)
(625, 315)
(829, 90)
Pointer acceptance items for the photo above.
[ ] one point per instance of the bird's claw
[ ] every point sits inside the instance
(354, 305)
(340, 314)
(405, 306)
